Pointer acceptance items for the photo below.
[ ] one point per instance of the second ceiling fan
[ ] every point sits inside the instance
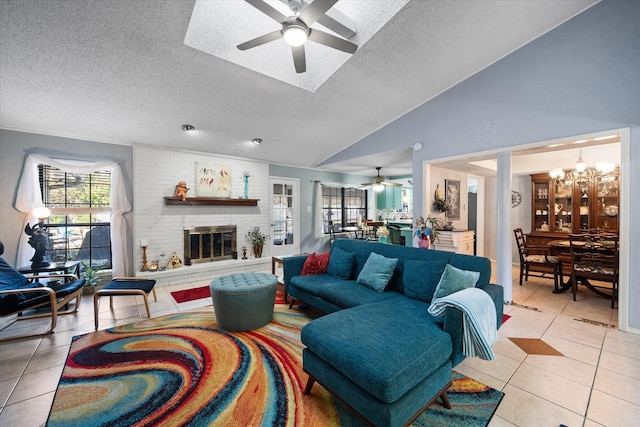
(379, 183)
(296, 29)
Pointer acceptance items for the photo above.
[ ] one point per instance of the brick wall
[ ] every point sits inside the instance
(156, 173)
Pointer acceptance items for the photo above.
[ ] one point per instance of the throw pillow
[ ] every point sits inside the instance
(421, 278)
(341, 263)
(377, 271)
(315, 264)
(454, 280)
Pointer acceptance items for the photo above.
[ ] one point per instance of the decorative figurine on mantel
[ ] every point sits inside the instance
(181, 191)
(174, 262)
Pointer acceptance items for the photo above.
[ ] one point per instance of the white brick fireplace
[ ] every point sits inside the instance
(162, 227)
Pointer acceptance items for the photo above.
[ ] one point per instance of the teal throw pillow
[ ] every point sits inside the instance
(341, 263)
(377, 272)
(454, 280)
(420, 278)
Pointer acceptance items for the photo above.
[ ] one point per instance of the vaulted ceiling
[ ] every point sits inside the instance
(119, 71)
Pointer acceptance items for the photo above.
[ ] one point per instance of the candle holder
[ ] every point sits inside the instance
(145, 262)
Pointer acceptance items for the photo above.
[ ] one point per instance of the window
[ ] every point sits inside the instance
(343, 207)
(79, 227)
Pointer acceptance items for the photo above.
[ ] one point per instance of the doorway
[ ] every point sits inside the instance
(542, 155)
(472, 211)
(285, 216)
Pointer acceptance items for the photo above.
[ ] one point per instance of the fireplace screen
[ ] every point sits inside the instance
(206, 244)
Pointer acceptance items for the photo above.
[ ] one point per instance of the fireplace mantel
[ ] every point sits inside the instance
(209, 201)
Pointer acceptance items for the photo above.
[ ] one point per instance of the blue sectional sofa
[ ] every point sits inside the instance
(381, 352)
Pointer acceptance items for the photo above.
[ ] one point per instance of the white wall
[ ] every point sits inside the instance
(490, 215)
(521, 214)
(438, 177)
(156, 173)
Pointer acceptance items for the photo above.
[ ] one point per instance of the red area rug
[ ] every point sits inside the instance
(204, 292)
(191, 294)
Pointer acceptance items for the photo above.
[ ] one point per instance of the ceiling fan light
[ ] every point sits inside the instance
(378, 188)
(295, 34)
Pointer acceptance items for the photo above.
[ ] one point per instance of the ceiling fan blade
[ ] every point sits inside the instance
(332, 41)
(341, 28)
(315, 10)
(299, 60)
(261, 40)
(391, 184)
(268, 10)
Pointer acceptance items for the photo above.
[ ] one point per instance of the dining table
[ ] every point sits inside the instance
(353, 231)
(562, 249)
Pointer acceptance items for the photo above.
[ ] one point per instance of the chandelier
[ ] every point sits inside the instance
(582, 175)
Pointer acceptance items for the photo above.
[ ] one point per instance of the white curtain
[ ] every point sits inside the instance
(30, 197)
(318, 224)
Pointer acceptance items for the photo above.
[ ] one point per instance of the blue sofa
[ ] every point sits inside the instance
(382, 353)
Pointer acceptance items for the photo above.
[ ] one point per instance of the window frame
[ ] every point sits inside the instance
(66, 249)
(348, 214)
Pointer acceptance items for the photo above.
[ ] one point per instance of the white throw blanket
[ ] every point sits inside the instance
(479, 320)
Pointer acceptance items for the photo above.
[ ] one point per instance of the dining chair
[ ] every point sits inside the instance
(595, 257)
(537, 259)
(332, 232)
(372, 230)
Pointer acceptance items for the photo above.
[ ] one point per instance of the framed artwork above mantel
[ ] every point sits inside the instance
(213, 180)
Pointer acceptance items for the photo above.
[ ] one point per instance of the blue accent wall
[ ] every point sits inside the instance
(581, 77)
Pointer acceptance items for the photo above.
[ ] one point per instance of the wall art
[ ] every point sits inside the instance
(213, 180)
(452, 196)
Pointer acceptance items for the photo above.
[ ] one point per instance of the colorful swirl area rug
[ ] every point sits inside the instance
(182, 370)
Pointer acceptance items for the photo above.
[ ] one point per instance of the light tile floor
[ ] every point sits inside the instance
(595, 383)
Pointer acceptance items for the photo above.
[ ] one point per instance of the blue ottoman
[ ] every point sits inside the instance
(125, 286)
(243, 301)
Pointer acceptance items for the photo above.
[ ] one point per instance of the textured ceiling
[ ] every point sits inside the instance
(119, 71)
(217, 27)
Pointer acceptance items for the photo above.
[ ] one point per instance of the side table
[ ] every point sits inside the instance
(279, 260)
(69, 267)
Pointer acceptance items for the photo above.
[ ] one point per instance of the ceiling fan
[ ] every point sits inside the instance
(296, 29)
(379, 183)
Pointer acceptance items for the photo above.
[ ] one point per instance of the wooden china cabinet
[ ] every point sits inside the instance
(561, 208)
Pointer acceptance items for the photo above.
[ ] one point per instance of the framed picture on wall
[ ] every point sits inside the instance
(213, 180)
(452, 196)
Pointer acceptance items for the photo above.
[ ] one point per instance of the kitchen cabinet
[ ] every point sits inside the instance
(460, 242)
(392, 198)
